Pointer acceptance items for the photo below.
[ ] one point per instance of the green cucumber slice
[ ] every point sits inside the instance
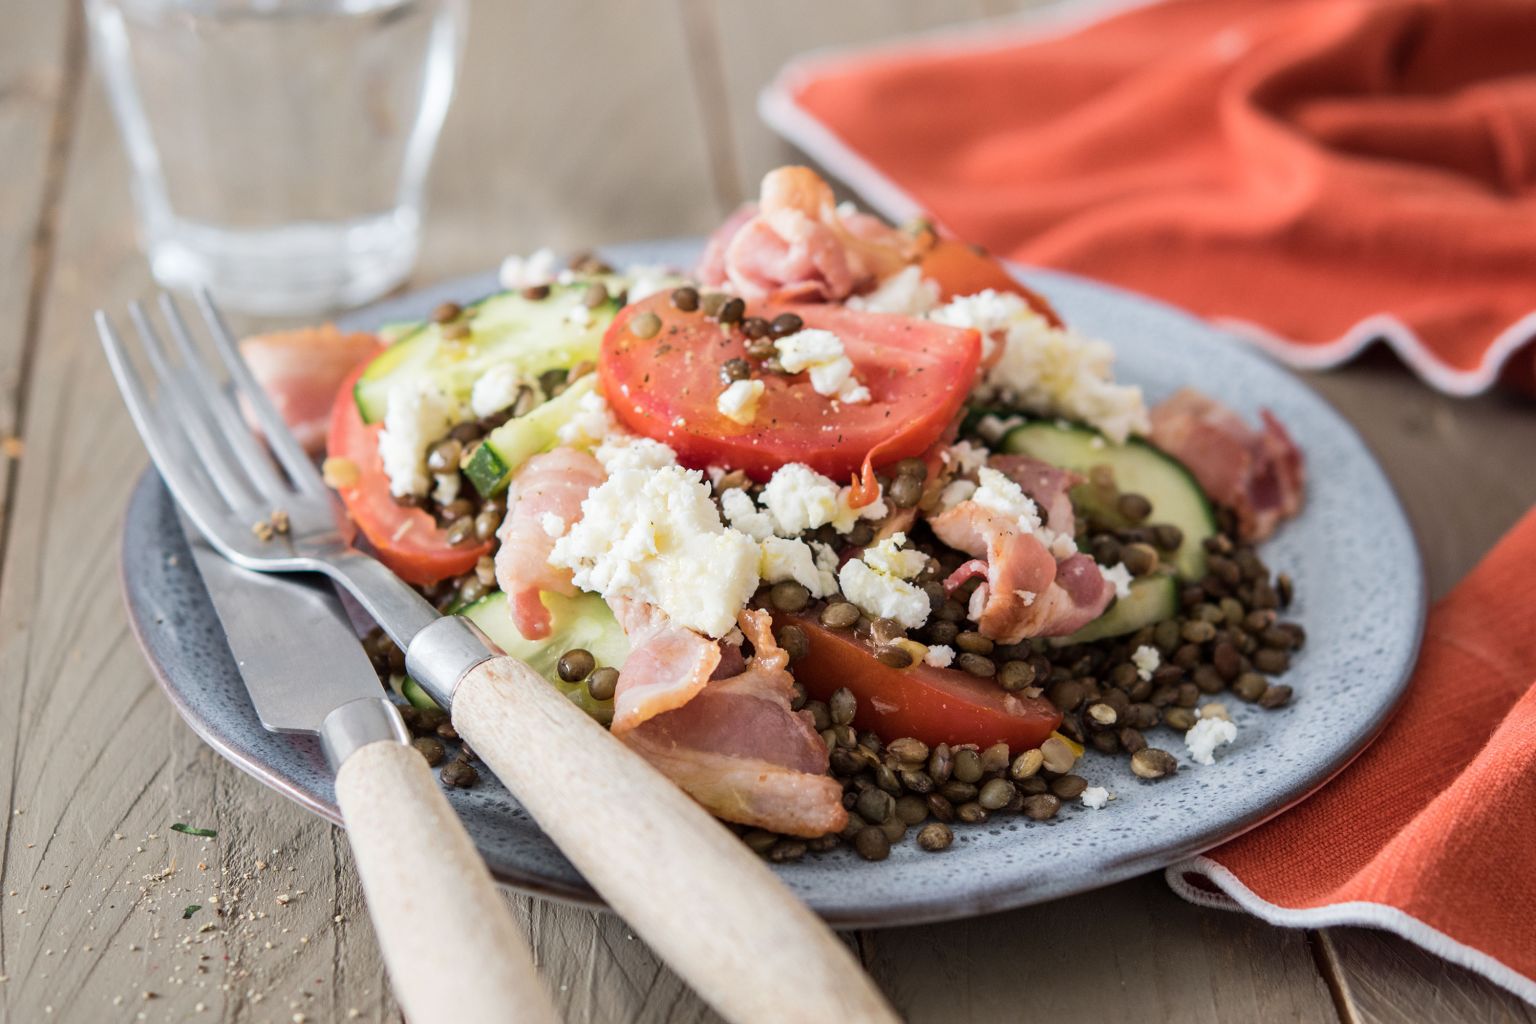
(1138, 467)
(533, 335)
(582, 621)
(507, 447)
(1151, 600)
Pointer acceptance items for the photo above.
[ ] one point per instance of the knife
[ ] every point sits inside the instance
(453, 952)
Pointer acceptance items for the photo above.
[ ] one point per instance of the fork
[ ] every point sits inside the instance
(706, 904)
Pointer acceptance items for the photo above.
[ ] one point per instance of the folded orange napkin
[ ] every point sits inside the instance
(1317, 173)
(1431, 833)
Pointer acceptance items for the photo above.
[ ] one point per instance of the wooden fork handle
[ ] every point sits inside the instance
(453, 951)
(706, 904)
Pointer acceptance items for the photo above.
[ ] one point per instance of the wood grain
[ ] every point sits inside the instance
(575, 124)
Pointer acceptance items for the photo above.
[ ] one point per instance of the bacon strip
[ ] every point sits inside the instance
(794, 245)
(738, 749)
(552, 483)
(666, 667)
(301, 371)
(1257, 473)
(1019, 568)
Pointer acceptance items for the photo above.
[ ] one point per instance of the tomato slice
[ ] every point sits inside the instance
(666, 386)
(961, 269)
(935, 705)
(408, 540)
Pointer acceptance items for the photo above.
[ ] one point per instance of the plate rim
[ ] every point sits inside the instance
(911, 910)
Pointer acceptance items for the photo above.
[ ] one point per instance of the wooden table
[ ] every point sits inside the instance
(575, 124)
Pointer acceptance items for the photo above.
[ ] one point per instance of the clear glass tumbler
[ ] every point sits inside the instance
(279, 147)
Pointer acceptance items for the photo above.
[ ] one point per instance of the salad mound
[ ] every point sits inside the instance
(845, 530)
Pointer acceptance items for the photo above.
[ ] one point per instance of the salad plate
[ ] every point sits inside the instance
(1359, 593)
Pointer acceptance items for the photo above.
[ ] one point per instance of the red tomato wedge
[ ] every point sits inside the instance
(961, 269)
(408, 540)
(666, 386)
(935, 705)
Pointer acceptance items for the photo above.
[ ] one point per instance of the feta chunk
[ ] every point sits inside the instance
(821, 354)
(784, 559)
(537, 268)
(1053, 371)
(955, 492)
(906, 292)
(655, 536)
(624, 451)
(877, 582)
(799, 499)
(646, 279)
(1146, 659)
(1095, 797)
(495, 390)
(967, 458)
(592, 422)
(416, 416)
(1206, 736)
(1119, 577)
(939, 656)
(1002, 494)
(743, 514)
(552, 525)
(738, 402)
(446, 491)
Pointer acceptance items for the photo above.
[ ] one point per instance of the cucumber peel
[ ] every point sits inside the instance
(507, 447)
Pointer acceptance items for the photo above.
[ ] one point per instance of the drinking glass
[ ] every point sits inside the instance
(279, 147)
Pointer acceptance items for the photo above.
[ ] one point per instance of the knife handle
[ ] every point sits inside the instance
(706, 904)
(453, 951)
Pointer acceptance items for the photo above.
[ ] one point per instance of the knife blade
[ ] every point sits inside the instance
(292, 640)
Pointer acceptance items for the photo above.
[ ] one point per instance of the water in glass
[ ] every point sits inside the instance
(279, 147)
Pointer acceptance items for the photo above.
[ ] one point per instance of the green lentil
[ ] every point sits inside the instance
(575, 665)
(646, 325)
(934, 837)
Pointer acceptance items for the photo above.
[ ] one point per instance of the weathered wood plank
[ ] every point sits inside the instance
(1131, 951)
(1387, 980)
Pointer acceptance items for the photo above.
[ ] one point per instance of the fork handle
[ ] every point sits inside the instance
(710, 907)
(453, 951)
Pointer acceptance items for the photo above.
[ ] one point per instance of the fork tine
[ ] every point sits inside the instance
(226, 417)
(186, 403)
(294, 462)
(175, 465)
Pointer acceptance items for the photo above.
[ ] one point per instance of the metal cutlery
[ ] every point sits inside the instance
(707, 905)
(434, 905)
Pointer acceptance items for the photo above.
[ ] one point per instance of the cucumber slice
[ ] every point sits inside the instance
(582, 621)
(1151, 600)
(533, 335)
(1138, 467)
(507, 447)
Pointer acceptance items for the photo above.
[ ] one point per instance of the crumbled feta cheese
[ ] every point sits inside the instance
(416, 416)
(496, 389)
(1002, 494)
(655, 536)
(887, 557)
(966, 457)
(939, 656)
(1206, 736)
(1119, 577)
(906, 292)
(518, 272)
(877, 582)
(552, 525)
(1146, 659)
(799, 499)
(624, 451)
(592, 422)
(821, 354)
(881, 596)
(785, 559)
(1053, 371)
(738, 402)
(579, 316)
(446, 492)
(1027, 596)
(1061, 545)
(1095, 797)
(743, 514)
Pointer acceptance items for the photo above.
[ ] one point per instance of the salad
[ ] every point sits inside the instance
(844, 530)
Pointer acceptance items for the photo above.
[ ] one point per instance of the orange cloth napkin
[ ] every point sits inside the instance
(1431, 833)
(1317, 173)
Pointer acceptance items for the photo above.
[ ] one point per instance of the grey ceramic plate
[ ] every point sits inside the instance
(1360, 595)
